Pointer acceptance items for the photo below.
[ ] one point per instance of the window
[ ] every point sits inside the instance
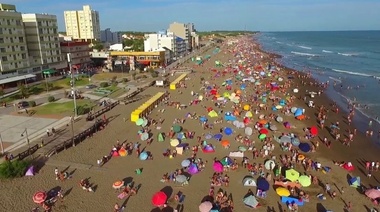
(23, 56)
(14, 57)
(41, 38)
(13, 48)
(40, 31)
(8, 22)
(10, 31)
(11, 40)
(2, 50)
(22, 48)
(4, 58)
(21, 39)
(18, 22)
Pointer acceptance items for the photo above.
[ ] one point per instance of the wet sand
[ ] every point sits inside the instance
(16, 195)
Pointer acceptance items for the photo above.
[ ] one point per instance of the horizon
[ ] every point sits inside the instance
(259, 15)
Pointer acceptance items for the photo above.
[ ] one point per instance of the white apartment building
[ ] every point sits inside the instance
(161, 40)
(83, 24)
(42, 38)
(14, 57)
(186, 32)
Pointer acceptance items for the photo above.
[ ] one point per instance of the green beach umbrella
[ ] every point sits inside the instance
(140, 122)
(160, 137)
(292, 175)
(262, 136)
(304, 180)
(177, 128)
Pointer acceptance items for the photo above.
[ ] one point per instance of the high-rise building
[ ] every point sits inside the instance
(160, 40)
(186, 32)
(83, 24)
(107, 36)
(41, 33)
(13, 48)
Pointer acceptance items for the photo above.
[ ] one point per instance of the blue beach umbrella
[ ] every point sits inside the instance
(143, 156)
(304, 147)
(228, 131)
(218, 136)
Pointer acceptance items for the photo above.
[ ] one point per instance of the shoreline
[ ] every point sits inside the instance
(360, 120)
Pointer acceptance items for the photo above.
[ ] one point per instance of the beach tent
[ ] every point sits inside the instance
(160, 137)
(251, 201)
(208, 149)
(249, 181)
(372, 193)
(30, 171)
(298, 112)
(115, 154)
(348, 166)
(193, 169)
(217, 166)
(262, 184)
(227, 161)
(354, 182)
(122, 152)
(287, 125)
(179, 150)
(269, 165)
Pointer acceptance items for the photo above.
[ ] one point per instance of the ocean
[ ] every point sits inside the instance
(351, 59)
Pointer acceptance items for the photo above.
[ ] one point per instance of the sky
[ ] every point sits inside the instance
(207, 15)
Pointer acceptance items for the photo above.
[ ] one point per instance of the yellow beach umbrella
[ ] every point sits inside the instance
(282, 192)
(246, 107)
(174, 142)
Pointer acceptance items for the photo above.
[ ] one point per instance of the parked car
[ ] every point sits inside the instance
(91, 86)
(23, 104)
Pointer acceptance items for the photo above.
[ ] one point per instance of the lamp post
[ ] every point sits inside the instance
(72, 131)
(1, 144)
(27, 138)
(46, 82)
(72, 85)
(122, 67)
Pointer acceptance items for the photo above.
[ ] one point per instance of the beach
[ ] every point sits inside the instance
(17, 194)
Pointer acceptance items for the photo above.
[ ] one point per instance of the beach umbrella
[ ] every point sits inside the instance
(304, 180)
(203, 119)
(298, 112)
(208, 136)
(292, 175)
(218, 136)
(143, 156)
(217, 166)
(250, 201)
(225, 143)
(208, 149)
(177, 128)
(372, 193)
(246, 107)
(213, 114)
(181, 136)
(269, 165)
(285, 139)
(144, 136)
(139, 122)
(248, 131)
(279, 119)
(262, 136)
(39, 197)
(273, 127)
(293, 109)
(248, 114)
(295, 141)
(262, 184)
(144, 123)
(185, 163)
(354, 182)
(122, 152)
(227, 161)
(205, 206)
(118, 184)
(295, 90)
(264, 131)
(174, 142)
(181, 178)
(304, 147)
(193, 169)
(159, 198)
(282, 192)
(228, 131)
(314, 130)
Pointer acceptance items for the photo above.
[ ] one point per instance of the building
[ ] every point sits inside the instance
(83, 24)
(14, 58)
(42, 38)
(161, 40)
(80, 53)
(152, 59)
(107, 36)
(186, 32)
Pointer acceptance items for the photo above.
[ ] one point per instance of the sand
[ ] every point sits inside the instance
(16, 195)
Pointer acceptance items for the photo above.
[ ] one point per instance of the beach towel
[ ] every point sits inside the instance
(122, 195)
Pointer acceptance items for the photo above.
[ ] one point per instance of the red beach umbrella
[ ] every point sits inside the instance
(264, 131)
(39, 197)
(314, 130)
(159, 198)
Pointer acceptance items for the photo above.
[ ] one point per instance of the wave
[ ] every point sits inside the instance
(348, 54)
(352, 73)
(326, 51)
(279, 42)
(335, 79)
(305, 47)
(304, 54)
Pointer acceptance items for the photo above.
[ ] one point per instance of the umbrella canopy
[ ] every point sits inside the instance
(273, 127)
(264, 131)
(304, 147)
(118, 184)
(217, 166)
(250, 201)
(292, 175)
(248, 131)
(39, 197)
(225, 143)
(373, 193)
(228, 131)
(185, 163)
(262, 136)
(143, 156)
(279, 119)
(193, 169)
(262, 184)
(181, 178)
(177, 128)
(139, 122)
(269, 165)
(304, 180)
(144, 136)
(159, 198)
(314, 130)
(218, 136)
(355, 182)
(205, 206)
(227, 161)
(295, 141)
(174, 142)
(282, 192)
(285, 139)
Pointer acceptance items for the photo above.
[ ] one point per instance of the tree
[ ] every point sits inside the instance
(138, 45)
(23, 90)
(127, 42)
(98, 46)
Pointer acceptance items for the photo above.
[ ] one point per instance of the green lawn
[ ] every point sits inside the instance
(31, 90)
(65, 83)
(61, 108)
